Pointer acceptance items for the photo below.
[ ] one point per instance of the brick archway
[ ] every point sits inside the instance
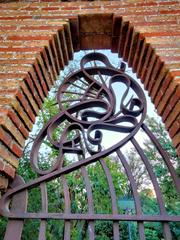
(38, 39)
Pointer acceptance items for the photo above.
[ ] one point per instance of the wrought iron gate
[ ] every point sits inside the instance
(88, 108)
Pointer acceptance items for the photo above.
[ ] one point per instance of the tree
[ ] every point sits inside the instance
(168, 190)
(148, 199)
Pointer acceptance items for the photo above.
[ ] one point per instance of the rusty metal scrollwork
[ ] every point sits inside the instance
(87, 101)
(94, 94)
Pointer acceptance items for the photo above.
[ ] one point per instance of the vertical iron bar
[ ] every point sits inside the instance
(90, 202)
(113, 198)
(44, 201)
(166, 229)
(67, 223)
(134, 191)
(19, 203)
(84, 172)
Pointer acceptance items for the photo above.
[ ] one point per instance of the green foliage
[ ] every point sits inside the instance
(103, 230)
(149, 203)
(28, 229)
(3, 224)
(54, 230)
(166, 184)
(100, 186)
(151, 234)
(168, 190)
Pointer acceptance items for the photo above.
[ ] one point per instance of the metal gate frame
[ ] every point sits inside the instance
(79, 112)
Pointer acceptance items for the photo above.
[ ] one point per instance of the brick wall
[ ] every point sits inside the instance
(37, 39)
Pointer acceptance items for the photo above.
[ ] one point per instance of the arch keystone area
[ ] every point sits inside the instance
(37, 39)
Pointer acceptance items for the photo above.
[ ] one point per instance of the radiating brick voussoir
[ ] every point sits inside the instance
(36, 53)
(154, 55)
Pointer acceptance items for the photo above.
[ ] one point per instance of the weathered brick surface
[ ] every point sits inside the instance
(38, 38)
(3, 183)
(7, 169)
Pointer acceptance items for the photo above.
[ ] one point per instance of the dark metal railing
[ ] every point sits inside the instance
(88, 102)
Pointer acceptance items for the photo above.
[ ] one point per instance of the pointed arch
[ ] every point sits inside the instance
(36, 46)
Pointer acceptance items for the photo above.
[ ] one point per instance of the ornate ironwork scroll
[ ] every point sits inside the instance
(88, 107)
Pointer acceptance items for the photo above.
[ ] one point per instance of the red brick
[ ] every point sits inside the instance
(176, 139)
(9, 126)
(56, 17)
(157, 23)
(137, 13)
(41, 79)
(16, 120)
(168, 3)
(158, 98)
(5, 137)
(133, 47)
(151, 66)
(161, 34)
(178, 150)
(26, 106)
(72, 8)
(140, 62)
(174, 99)
(5, 28)
(34, 77)
(17, 150)
(28, 38)
(174, 128)
(170, 58)
(22, 49)
(146, 4)
(51, 8)
(9, 170)
(47, 58)
(3, 183)
(122, 37)
(158, 84)
(27, 93)
(145, 66)
(174, 114)
(54, 55)
(169, 12)
(155, 74)
(175, 73)
(30, 8)
(166, 97)
(39, 28)
(128, 43)
(11, 75)
(32, 86)
(16, 61)
(8, 141)
(62, 50)
(16, 17)
(1, 165)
